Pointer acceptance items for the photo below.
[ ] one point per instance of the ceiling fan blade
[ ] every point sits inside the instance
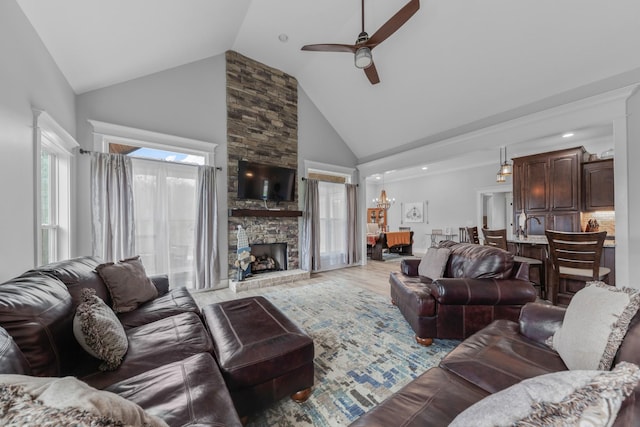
(372, 74)
(330, 47)
(392, 25)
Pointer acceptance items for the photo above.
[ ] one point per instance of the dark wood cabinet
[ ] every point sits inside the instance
(565, 181)
(547, 186)
(598, 185)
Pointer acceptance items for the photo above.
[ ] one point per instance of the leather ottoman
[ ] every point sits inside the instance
(262, 354)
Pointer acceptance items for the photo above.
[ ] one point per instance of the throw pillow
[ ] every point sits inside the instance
(434, 262)
(67, 401)
(565, 398)
(128, 284)
(594, 325)
(98, 330)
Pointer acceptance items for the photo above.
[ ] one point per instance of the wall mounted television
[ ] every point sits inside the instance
(265, 182)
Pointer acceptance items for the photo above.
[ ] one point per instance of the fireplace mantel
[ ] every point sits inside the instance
(264, 213)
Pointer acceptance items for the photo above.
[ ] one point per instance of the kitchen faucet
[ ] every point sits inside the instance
(526, 222)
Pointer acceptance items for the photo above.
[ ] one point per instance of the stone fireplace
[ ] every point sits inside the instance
(269, 257)
(262, 127)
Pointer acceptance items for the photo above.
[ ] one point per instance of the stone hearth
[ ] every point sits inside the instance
(266, 280)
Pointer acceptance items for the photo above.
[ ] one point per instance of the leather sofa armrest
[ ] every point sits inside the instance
(461, 291)
(539, 321)
(409, 267)
(161, 282)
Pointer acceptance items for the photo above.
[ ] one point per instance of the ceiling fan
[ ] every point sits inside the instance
(365, 44)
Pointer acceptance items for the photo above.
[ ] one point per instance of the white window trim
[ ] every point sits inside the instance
(103, 133)
(347, 173)
(49, 134)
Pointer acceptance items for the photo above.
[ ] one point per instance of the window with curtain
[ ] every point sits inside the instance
(164, 196)
(333, 225)
(168, 202)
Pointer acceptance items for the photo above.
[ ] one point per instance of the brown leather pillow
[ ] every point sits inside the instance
(128, 284)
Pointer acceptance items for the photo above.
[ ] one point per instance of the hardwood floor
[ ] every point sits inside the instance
(374, 277)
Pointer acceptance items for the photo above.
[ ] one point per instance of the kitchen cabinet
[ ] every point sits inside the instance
(377, 216)
(598, 186)
(547, 186)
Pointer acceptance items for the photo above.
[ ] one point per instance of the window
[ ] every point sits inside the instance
(53, 147)
(332, 201)
(333, 225)
(164, 196)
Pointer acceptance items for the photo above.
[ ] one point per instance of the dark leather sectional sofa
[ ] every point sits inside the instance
(168, 370)
(498, 356)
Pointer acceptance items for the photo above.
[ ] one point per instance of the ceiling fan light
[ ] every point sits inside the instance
(363, 57)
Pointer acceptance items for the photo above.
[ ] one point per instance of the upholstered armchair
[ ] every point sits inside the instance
(478, 285)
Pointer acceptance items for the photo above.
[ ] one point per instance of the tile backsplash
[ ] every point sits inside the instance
(606, 219)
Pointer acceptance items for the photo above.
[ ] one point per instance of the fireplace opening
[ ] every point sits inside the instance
(269, 257)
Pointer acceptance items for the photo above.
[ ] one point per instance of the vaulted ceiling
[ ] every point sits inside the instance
(453, 66)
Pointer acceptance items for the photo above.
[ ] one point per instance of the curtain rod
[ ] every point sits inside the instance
(305, 178)
(83, 151)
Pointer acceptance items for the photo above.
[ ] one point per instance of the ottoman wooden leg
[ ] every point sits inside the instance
(301, 396)
(424, 341)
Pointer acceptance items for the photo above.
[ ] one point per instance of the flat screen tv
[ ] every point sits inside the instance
(265, 182)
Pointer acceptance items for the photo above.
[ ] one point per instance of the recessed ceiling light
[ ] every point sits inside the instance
(567, 135)
(283, 38)
(378, 177)
(424, 168)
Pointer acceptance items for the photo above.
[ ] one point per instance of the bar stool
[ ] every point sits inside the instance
(575, 256)
(472, 233)
(498, 238)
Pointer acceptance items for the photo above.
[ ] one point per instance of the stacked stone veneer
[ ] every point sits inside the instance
(262, 126)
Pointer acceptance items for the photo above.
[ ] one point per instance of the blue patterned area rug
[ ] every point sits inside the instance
(364, 352)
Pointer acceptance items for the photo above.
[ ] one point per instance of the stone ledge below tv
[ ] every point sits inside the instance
(264, 213)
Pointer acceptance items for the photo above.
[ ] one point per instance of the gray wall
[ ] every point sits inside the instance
(632, 191)
(452, 200)
(317, 139)
(28, 78)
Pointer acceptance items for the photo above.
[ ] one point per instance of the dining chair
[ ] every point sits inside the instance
(472, 234)
(498, 238)
(575, 257)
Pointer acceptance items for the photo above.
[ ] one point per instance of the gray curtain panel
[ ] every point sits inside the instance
(112, 213)
(207, 262)
(310, 251)
(353, 243)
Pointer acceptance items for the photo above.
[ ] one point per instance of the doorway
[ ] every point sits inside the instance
(495, 209)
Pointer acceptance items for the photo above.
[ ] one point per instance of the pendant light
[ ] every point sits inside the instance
(506, 168)
(500, 177)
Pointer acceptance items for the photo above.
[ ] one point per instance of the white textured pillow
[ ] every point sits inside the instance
(594, 325)
(66, 401)
(560, 399)
(434, 262)
(98, 330)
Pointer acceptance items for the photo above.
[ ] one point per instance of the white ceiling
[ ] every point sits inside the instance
(452, 64)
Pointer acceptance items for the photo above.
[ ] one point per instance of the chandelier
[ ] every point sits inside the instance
(505, 168)
(383, 202)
